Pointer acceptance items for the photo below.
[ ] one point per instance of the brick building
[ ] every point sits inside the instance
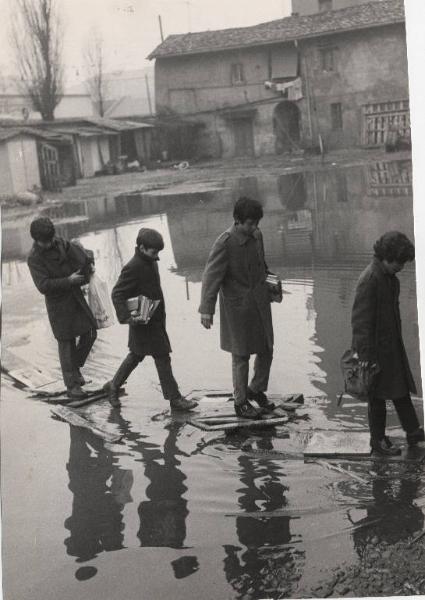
(336, 76)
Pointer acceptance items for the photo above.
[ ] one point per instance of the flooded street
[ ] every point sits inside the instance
(173, 511)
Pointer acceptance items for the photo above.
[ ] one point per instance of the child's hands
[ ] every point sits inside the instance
(207, 321)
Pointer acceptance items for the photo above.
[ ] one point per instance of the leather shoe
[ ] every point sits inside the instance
(260, 398)
(182, 404)
(76, 393)
(113, 394)
(382, 448)
(247, 411)
(415, 437)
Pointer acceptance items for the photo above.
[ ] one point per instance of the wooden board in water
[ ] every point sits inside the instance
(225, 423)
(73, 418)
(338, 444)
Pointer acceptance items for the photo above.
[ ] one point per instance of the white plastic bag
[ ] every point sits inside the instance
(100, 302)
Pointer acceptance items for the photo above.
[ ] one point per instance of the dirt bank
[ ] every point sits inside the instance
(384, 569)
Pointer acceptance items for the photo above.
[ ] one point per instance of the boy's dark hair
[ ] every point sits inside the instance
(394, 246)
(247, 208)
(42, 229)
(150, 238)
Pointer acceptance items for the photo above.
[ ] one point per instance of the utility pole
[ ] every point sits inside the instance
(160, 28)
(189, 15)
(149, 95)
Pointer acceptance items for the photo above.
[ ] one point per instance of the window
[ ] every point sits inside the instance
(237, 75)
(336, 116)
(325, 5)
(327, 58)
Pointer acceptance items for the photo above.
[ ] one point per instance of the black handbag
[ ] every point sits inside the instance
(358, 380)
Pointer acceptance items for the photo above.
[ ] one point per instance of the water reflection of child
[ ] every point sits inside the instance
(140, 276)
(377, 339)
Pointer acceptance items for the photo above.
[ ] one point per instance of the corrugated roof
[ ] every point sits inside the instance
(102, 123)
(373, 14)
(7, 133)
(114, 124)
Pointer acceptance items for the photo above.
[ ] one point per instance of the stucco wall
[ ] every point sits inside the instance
(23, 161)
(369, 68)
(309, 7)
(202, 82)
(6, 183)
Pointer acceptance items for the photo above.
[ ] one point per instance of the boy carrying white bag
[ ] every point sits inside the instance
(100, 302)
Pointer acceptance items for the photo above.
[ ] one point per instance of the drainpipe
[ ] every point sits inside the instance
(307, 89)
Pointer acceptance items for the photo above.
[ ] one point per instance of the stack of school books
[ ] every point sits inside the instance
(272, 280)
(274, 285)
(142, 308)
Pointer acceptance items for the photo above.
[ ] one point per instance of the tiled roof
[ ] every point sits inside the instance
(373, 14)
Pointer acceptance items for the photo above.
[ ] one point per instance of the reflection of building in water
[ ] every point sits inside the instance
(193, 232)
(390, 178)
(333, 295)
(347, 220)
(268, 562)
(332, 215)
(16, 239)
(100, 490)
(352, 208)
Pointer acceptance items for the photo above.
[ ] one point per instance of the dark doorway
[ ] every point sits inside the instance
(286, 125)
(243, 136)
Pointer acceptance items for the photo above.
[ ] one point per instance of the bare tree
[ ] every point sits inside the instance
(94, 60)
(36, 36)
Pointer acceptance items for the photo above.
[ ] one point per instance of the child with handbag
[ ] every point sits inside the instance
(378, 342)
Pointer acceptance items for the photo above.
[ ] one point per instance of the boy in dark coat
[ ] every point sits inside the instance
(377, 339)
(236, 270)
(59, 268)
(140, 276)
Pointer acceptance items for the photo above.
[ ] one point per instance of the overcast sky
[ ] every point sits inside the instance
(130, 27)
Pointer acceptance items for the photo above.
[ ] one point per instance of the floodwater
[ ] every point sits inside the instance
(173, 511)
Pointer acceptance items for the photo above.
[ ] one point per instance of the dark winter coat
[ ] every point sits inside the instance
(140, 276)
(68, 311)
(377, 334)
(237, 270)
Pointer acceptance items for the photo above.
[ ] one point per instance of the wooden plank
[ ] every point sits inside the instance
(344, 443)
(78, 420)
(32, 377)
(237, 423)
(94, 398)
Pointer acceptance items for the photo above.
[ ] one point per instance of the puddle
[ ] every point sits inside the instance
(179, 512)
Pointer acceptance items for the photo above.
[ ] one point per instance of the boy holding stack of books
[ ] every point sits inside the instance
(139, 302)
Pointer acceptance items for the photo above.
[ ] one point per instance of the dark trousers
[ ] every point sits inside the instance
(170, 389)
(377, 413)
(73, 355)
(240, 373)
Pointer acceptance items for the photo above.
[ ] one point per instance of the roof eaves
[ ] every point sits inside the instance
(311, 35)
(364, 16)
